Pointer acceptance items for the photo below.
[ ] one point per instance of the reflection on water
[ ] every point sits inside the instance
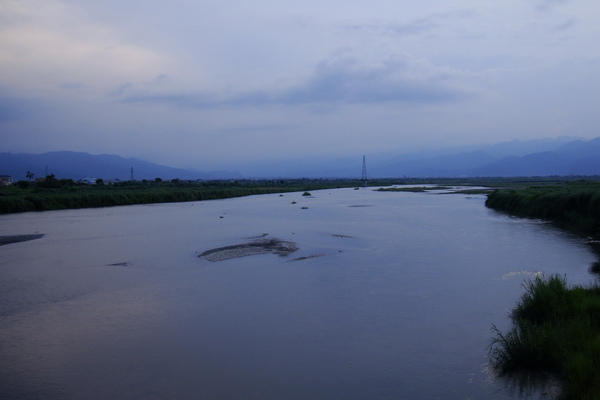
(532, 385)
(390, 301)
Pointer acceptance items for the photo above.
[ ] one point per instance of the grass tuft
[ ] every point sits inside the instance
(556, 331)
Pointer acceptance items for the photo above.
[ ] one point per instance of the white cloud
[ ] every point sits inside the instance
(209, 79)
(46, 44)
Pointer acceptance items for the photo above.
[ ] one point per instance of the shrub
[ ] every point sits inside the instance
(556, 330)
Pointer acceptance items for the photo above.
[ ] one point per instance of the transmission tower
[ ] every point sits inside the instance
(131, 178)
(364, 173)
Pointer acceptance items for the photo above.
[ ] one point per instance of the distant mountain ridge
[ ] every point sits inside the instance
(541, 157)
(574, 158)
(77, 165)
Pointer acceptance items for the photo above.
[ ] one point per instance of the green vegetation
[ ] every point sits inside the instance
(556, 331)
(573, 205)
(56, 194)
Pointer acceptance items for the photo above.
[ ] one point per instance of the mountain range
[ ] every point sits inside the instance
(541, 157)
(77, 165)
(575, 157)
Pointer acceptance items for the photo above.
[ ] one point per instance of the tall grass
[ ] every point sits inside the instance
(556, 330)
(576, 207)
(67, 195)
(56, 200)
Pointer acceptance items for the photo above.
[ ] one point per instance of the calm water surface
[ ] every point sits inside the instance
(395, 299)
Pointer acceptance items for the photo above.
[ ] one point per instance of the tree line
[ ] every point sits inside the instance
(57, 194)
(572, 205)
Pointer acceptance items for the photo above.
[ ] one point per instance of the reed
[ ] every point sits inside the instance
(556, 331)
(573, 206)
(56, 194)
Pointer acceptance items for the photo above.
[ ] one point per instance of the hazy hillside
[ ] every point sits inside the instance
(574, 158)
(542, 157)
(74, 165)
(441, 165)
(483, 160)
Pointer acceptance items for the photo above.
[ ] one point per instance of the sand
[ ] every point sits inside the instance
(18, 238)
(260, 246)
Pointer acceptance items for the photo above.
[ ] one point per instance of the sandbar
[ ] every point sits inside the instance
(10, 239)
(261, 246)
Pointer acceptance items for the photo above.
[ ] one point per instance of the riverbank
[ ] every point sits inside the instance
(572, 205)
(556, 335)
(65, 194)
(61, 194)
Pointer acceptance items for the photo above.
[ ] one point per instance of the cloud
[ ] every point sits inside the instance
(396, 79)
(428, 24)
(48, 44)
(548, 4)
(344, 80)
(566, 25)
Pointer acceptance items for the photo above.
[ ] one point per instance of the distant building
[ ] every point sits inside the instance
(88, 180)
(6, 180)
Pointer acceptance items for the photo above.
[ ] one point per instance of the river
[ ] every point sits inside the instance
(390, 295)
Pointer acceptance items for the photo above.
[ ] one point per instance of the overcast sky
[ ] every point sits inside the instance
(209, 83)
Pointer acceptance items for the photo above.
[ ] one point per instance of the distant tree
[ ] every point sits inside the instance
(67, 182)
(100, 182)
(50, 182)
(29, 175)
(23, 184)
(158, 180)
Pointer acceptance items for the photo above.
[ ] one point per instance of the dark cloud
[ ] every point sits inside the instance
(394, 80)
(548, 4)
(428, 24)
(340, 81)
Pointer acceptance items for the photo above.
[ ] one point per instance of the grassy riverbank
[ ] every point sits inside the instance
(556, 331)
(55, 194)
(573, 205)
(69, 195)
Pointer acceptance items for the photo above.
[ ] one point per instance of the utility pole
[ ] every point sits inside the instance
(131, 179)
(364, 173)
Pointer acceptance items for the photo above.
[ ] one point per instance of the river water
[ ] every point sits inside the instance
(390, 295)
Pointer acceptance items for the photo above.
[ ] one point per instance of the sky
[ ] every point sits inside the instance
(208, 84)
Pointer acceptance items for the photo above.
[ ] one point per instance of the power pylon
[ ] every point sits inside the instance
(364, 173)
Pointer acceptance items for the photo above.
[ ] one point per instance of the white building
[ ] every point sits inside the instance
(6, 180)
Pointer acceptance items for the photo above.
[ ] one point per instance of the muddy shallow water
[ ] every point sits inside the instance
(390, 296)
